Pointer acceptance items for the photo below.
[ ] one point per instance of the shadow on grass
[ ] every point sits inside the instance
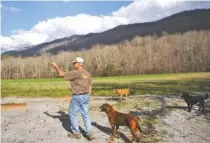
(117, 98)
(109, 131)
(207, 110)
(153, 113)
(162, 111)
(198, 112)
(207, 107)
(177, 107)
(155, 87)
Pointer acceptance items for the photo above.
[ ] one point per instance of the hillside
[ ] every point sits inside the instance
(177, 23)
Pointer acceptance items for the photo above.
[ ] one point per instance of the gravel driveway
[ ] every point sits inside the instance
(45, 120)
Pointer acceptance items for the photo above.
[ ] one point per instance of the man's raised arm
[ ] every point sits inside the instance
(58, 70)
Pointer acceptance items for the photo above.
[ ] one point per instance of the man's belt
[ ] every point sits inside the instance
(80, 93)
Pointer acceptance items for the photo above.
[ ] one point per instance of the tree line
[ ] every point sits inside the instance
(187, 52)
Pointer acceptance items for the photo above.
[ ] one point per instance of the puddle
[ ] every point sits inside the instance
(9, 106)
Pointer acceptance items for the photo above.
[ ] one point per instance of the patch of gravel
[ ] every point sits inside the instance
(186, 127)
(41, 122)
(32, 125)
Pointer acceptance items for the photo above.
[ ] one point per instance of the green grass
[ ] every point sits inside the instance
(139, 84)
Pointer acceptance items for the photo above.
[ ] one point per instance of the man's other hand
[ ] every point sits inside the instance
(54, 65)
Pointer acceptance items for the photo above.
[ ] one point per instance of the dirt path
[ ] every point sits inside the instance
(45, 120)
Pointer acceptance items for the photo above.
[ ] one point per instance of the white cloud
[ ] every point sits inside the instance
(137, 11)
(9, 8)
(167, 3)
(14, 9)
(149, 10)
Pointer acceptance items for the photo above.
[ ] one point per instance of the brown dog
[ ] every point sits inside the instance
(117, 119)
(121, 92)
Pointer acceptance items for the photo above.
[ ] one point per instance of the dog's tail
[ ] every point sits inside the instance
(206, 96)
(129, 89)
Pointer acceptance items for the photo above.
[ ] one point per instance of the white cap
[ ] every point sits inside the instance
(78, 60)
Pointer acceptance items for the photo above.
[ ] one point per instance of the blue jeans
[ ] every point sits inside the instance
(79, 103)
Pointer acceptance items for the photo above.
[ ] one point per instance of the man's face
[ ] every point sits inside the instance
(76, 65)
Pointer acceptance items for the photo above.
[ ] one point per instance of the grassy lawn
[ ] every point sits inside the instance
(139, 84)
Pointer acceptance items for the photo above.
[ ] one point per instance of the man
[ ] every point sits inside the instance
(81, 84)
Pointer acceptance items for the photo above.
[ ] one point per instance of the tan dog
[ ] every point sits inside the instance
(121, 92)
(117, 119)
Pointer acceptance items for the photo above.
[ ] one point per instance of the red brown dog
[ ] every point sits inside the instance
(117, 119)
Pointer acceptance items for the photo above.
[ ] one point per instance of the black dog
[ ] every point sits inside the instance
(192, 100)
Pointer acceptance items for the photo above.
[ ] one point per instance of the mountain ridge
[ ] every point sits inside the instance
(181, 22)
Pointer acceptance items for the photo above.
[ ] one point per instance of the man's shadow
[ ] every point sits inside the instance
(64, 119)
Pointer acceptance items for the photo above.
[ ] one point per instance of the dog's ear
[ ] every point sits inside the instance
(102, 107)
(108, 107)
(185, 94)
